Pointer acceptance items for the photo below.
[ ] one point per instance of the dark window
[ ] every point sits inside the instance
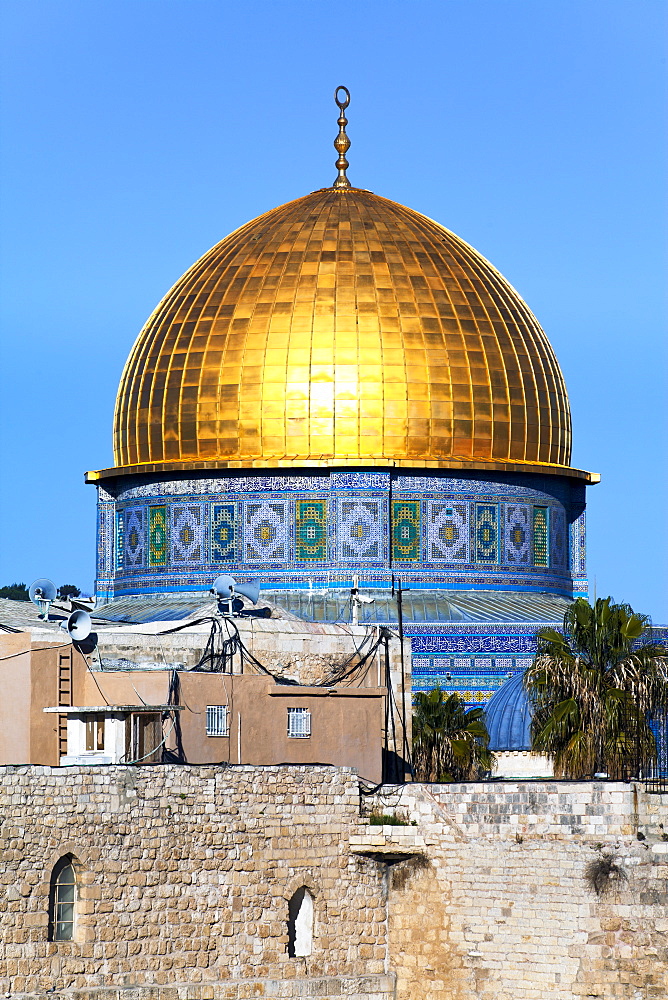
(144, 738)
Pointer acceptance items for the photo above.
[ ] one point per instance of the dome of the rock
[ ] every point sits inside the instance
(342, 329)
(342, 395)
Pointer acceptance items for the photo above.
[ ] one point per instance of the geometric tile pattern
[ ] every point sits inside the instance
(118, 541)
(223, 532)
(266, 531)
(311, 531)
(187, 533)
(359, 529)
(444, 531)
(406, 530)
(447, 531)
(518, 530)
(157, 536)
(558, 538)
(540, 536)
(486, 533)
(133, 536)
(579, 545)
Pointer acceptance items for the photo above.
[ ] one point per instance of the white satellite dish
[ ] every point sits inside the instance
(42, 593)
(225, 589)
(78, 625)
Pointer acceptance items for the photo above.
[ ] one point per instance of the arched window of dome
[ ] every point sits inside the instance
(63, 897)
(300, 923)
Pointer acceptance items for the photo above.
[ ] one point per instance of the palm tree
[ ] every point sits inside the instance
(450, 743)
(594, 688)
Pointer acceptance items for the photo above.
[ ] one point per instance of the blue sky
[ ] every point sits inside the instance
(137, 133)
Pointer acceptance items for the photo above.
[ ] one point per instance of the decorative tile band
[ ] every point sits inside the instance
(405, 520)
(157, 534)
(450, 532)
(541, 552)
(311, 531)
(224, 547)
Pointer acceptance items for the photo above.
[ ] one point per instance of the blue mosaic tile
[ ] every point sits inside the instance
(134, 536)
(518, 530)
(266, 531)
(187, 534)
(558, 538)
(224, 519)
(447, 552)
(359, 524)
(578, 545)
(447, 531)
(406, 530)
(311, 530)
(120, 547)
(485, 533)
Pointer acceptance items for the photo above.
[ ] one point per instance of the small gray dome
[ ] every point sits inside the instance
(508, 716)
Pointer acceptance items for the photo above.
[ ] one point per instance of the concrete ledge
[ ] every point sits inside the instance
(396, 842)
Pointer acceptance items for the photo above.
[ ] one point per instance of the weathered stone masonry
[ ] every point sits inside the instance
(186, 873)
(499, 909)
(185, 877)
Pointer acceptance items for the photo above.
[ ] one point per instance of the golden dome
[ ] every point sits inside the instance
(341, 329)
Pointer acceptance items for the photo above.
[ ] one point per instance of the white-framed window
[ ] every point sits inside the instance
(299, 723)
(63, 900)
(94, 732)
(217, 720)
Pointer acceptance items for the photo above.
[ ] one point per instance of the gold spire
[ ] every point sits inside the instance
(342, 142)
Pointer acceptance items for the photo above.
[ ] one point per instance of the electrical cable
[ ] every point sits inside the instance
(160, 744)
(37, 649)
(88, 668)
(177, 756)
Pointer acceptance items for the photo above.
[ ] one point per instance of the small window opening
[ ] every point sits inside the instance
(62, 900)
(95, 732)
(217, 721)
(300, 923)
(299, 723)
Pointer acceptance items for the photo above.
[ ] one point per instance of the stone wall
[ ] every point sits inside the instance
(186, 872)
(185, 875)
(494, 904)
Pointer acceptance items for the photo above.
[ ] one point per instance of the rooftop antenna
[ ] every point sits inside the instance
(225, 588)
(42, 593)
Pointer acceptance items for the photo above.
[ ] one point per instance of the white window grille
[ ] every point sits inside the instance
(299, 723)
(217, 721)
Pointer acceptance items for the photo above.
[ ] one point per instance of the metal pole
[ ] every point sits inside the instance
(400, 617)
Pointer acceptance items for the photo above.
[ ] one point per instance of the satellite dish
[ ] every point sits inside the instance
(42, 593)
(223, 587)
(251, 590)
(78, 625)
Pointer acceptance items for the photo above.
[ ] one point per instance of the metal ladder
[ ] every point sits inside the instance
(64, 697)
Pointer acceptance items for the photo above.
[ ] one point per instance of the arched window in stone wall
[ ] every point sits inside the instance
(63, 892)
(300, 923)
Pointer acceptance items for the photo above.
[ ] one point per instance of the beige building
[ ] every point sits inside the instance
(219, 691)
